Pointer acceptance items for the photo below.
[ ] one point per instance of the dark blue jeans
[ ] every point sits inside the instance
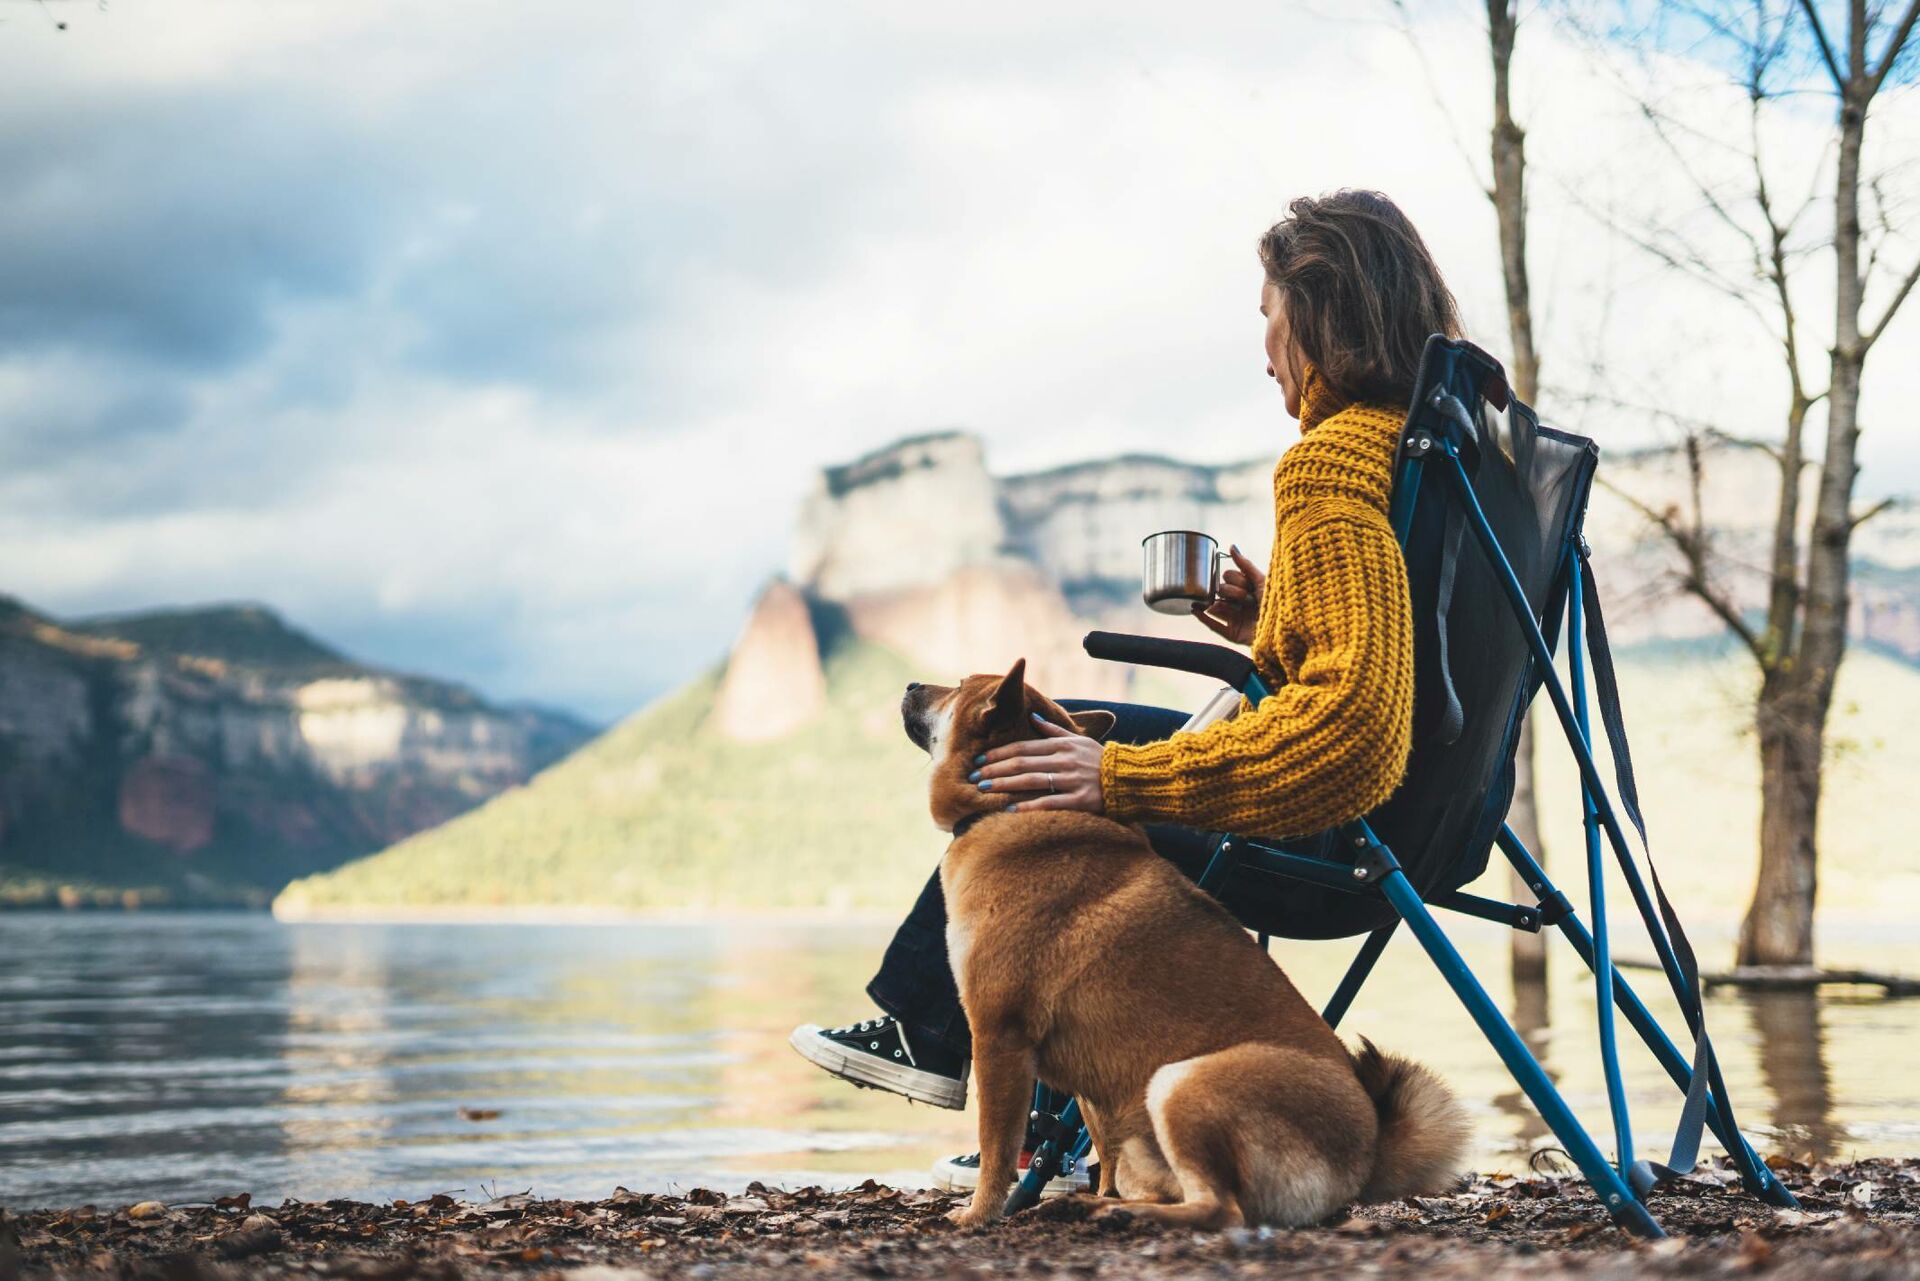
(915, 983)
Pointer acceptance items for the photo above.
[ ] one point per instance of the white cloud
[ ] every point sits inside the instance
(587, 294)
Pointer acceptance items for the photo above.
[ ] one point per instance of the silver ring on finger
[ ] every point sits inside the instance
(1050, 786)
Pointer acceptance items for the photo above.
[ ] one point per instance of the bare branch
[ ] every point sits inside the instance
(1454, 133)
(1826, 49)
(1892, 54)
(1754, 443)
(1691, 544)
(1692, 264)
(1655, 119)
(1907, 283)
(1776, 268)
(1885, 504)
(1691, 425)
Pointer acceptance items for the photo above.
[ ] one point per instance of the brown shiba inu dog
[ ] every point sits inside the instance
(1215, 1094)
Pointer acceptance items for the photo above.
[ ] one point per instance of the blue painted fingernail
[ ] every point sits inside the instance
(1038, 717)
(974, 777)
(980, 759)
(1012, 808)
(986, 785)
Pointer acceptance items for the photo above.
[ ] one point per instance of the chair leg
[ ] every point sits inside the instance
(1068, 1136)
(1220, 865)
(1613, 1191)
(1357, 974)
(1754, 1174)
(1759, 1180)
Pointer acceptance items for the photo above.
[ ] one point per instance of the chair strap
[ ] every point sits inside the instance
(1453, 720)
(1693, 1114)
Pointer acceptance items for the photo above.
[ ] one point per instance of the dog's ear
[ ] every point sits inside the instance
(1009, 702)
(1095, 722)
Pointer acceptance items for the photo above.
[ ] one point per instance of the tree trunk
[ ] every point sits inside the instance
(1509, 156)
(1778, 929)
(1529, 951)
(1797, 693)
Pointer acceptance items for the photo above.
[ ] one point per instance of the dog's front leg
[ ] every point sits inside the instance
(1003, 1086)
(1102, 1154)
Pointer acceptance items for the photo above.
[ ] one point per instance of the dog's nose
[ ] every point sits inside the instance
(912, 685)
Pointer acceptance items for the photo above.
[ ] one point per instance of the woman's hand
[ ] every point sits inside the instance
(1059, 771)
(1236, 614)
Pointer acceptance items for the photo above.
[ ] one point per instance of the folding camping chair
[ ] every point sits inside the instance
(1486, 624)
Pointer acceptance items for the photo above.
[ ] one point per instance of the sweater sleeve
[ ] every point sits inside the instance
(1329, 745)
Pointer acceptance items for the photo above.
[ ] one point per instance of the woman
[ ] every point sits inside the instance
(1350, 296)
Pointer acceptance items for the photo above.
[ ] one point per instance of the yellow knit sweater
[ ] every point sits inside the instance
(1335, 640)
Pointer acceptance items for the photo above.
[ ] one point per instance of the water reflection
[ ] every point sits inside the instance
(1532, 1016)
(1790, 1035)
(182, 1058)
(125, 1052)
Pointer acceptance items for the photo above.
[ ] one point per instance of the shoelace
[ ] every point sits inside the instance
(874, 1025)
(853, 1029)
(900, 1030)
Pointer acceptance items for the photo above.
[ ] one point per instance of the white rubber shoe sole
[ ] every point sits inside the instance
(962, 1174)
(866, 1070)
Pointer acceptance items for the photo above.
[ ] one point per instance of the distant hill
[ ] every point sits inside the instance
(243, 635)
(667, 811)
(781, 778)
(211, 755)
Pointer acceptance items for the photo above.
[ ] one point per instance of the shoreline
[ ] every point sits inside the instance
(1869, 928)
(561, 914)
(1856, 1218)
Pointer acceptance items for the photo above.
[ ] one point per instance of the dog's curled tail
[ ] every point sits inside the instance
(1424, 1131)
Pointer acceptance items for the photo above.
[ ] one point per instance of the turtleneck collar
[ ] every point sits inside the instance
(1318, 399)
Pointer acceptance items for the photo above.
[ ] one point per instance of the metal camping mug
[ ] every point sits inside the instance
(1180, 569)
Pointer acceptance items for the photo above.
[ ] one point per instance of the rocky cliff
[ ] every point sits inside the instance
(213, 755)
(959, 570)
(922, 549)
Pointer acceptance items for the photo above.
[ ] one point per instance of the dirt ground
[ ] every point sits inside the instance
(1859, 1220)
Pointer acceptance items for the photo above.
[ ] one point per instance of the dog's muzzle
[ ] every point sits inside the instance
(913, 715)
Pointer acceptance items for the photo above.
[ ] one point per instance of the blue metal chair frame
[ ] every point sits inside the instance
(1623, 1184)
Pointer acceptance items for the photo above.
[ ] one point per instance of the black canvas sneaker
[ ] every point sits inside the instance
(962, 1174)
(876, 1054)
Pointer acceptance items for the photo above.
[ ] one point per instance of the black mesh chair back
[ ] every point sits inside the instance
(1473, 672)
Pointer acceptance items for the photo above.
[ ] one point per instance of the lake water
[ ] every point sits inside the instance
(186, 1057)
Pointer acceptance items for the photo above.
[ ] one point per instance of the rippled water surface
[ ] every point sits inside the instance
(186, 1057)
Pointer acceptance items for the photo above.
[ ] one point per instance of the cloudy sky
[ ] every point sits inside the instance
(500, 341)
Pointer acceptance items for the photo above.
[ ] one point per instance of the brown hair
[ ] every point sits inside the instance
(1361, 292)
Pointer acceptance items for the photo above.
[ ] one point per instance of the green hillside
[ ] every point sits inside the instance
(662, 812)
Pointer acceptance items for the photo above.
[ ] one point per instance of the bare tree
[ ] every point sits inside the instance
(1509, 196)
(1781, 49)
(1507, 192)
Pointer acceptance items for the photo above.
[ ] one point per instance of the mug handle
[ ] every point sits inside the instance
(1213, 586)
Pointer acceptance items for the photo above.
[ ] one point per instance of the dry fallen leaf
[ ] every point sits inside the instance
(146, 1210)
(479, 1114)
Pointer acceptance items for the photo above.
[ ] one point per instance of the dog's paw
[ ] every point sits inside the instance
(1111, 1217)
(974, 1215)
(1076, 1208)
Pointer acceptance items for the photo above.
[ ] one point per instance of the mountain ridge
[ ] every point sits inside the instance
(208, 755)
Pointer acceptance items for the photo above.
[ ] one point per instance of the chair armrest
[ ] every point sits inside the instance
(1226, 665)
